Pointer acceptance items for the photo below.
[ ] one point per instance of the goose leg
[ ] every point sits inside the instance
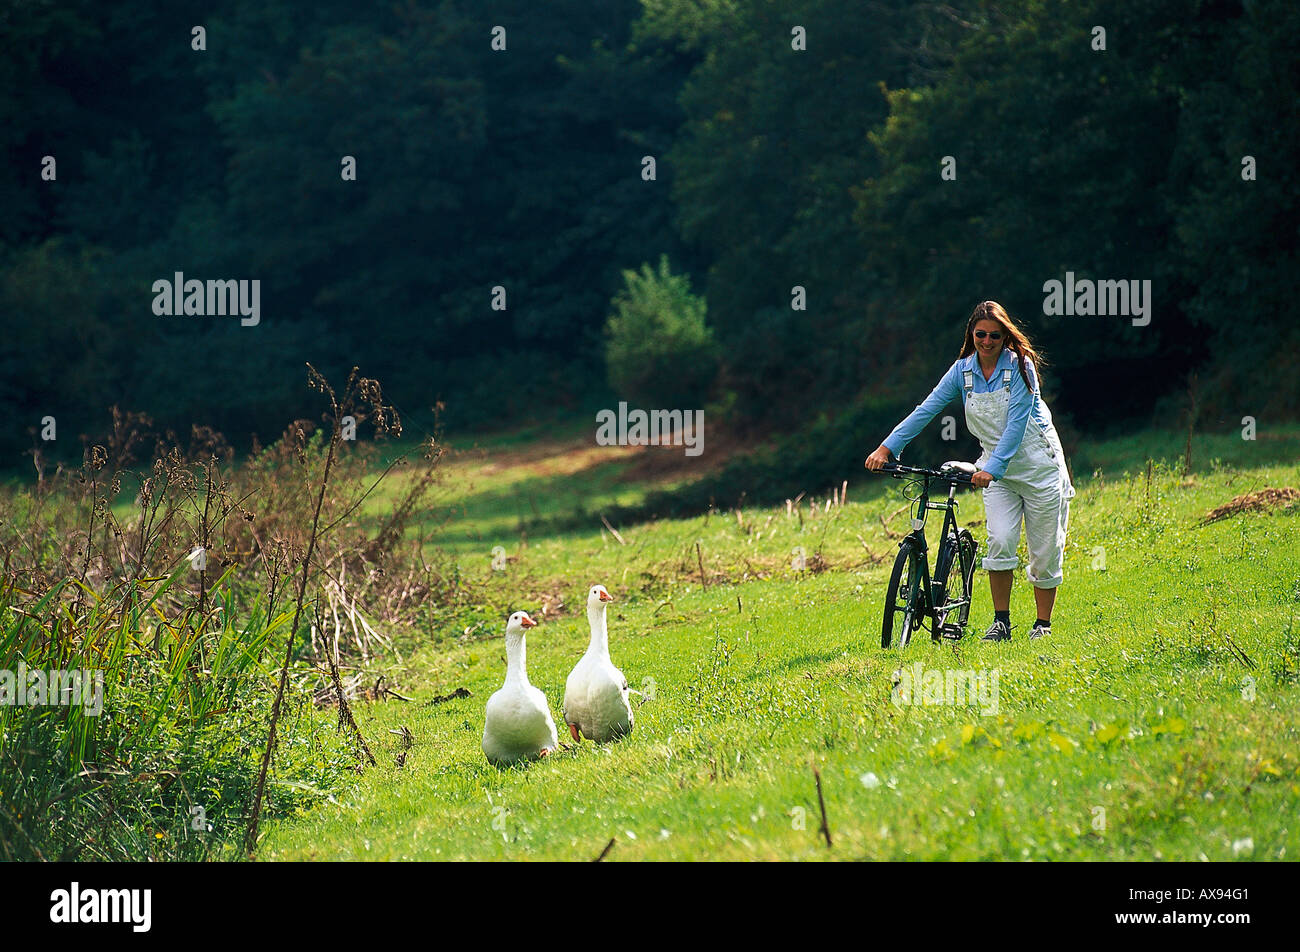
(573, 730)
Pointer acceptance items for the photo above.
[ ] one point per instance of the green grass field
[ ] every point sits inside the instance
(1158, 722)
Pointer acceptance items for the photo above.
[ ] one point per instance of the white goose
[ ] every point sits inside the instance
(595, 695)
(518, 724)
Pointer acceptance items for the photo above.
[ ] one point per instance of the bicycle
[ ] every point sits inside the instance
(913, 594)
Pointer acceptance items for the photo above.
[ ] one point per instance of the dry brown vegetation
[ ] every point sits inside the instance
(190, 499)
(1264, 500)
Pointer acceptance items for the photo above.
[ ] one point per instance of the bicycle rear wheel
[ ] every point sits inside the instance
(960, 585)
(903, 598)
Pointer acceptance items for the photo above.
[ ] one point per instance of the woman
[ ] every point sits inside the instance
(1022, 469)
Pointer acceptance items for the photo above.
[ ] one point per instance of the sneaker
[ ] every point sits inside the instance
(1040, 631)
(998, 631)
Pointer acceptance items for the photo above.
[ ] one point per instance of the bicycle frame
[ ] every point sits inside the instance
(932, 588)
(931, 594)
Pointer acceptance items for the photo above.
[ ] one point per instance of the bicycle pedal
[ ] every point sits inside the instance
(952, 632)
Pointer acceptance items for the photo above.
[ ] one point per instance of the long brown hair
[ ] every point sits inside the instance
(1015, 338)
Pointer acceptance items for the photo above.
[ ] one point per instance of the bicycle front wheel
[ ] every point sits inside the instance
(903, 598)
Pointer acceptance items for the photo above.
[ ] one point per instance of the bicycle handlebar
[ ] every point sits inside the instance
(898, 469)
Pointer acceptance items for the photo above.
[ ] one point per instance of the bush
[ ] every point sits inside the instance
(659, 352)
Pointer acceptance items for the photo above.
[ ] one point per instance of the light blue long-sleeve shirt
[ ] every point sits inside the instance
(1025, 405)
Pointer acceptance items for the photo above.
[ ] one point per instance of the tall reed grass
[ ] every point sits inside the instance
(171, 581)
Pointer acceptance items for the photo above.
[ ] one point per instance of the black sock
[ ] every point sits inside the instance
(1004, 617)
(1043, 622)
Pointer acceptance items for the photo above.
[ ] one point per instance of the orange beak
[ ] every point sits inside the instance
(527, 622)
(606, 597)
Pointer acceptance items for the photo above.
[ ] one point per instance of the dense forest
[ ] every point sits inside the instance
(454, 207)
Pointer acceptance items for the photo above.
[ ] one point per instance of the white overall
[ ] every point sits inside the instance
(1035, 487)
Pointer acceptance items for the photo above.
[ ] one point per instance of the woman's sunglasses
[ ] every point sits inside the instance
(991, 335)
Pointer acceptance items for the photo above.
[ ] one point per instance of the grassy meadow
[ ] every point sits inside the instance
(1158, 722)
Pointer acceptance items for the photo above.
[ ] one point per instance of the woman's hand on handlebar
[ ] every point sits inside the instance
(879, 457)
(981, 479)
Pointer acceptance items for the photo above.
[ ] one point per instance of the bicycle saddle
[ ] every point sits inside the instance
(958, 466)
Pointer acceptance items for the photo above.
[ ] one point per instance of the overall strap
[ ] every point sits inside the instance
(968, 382)
(1006, 380)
